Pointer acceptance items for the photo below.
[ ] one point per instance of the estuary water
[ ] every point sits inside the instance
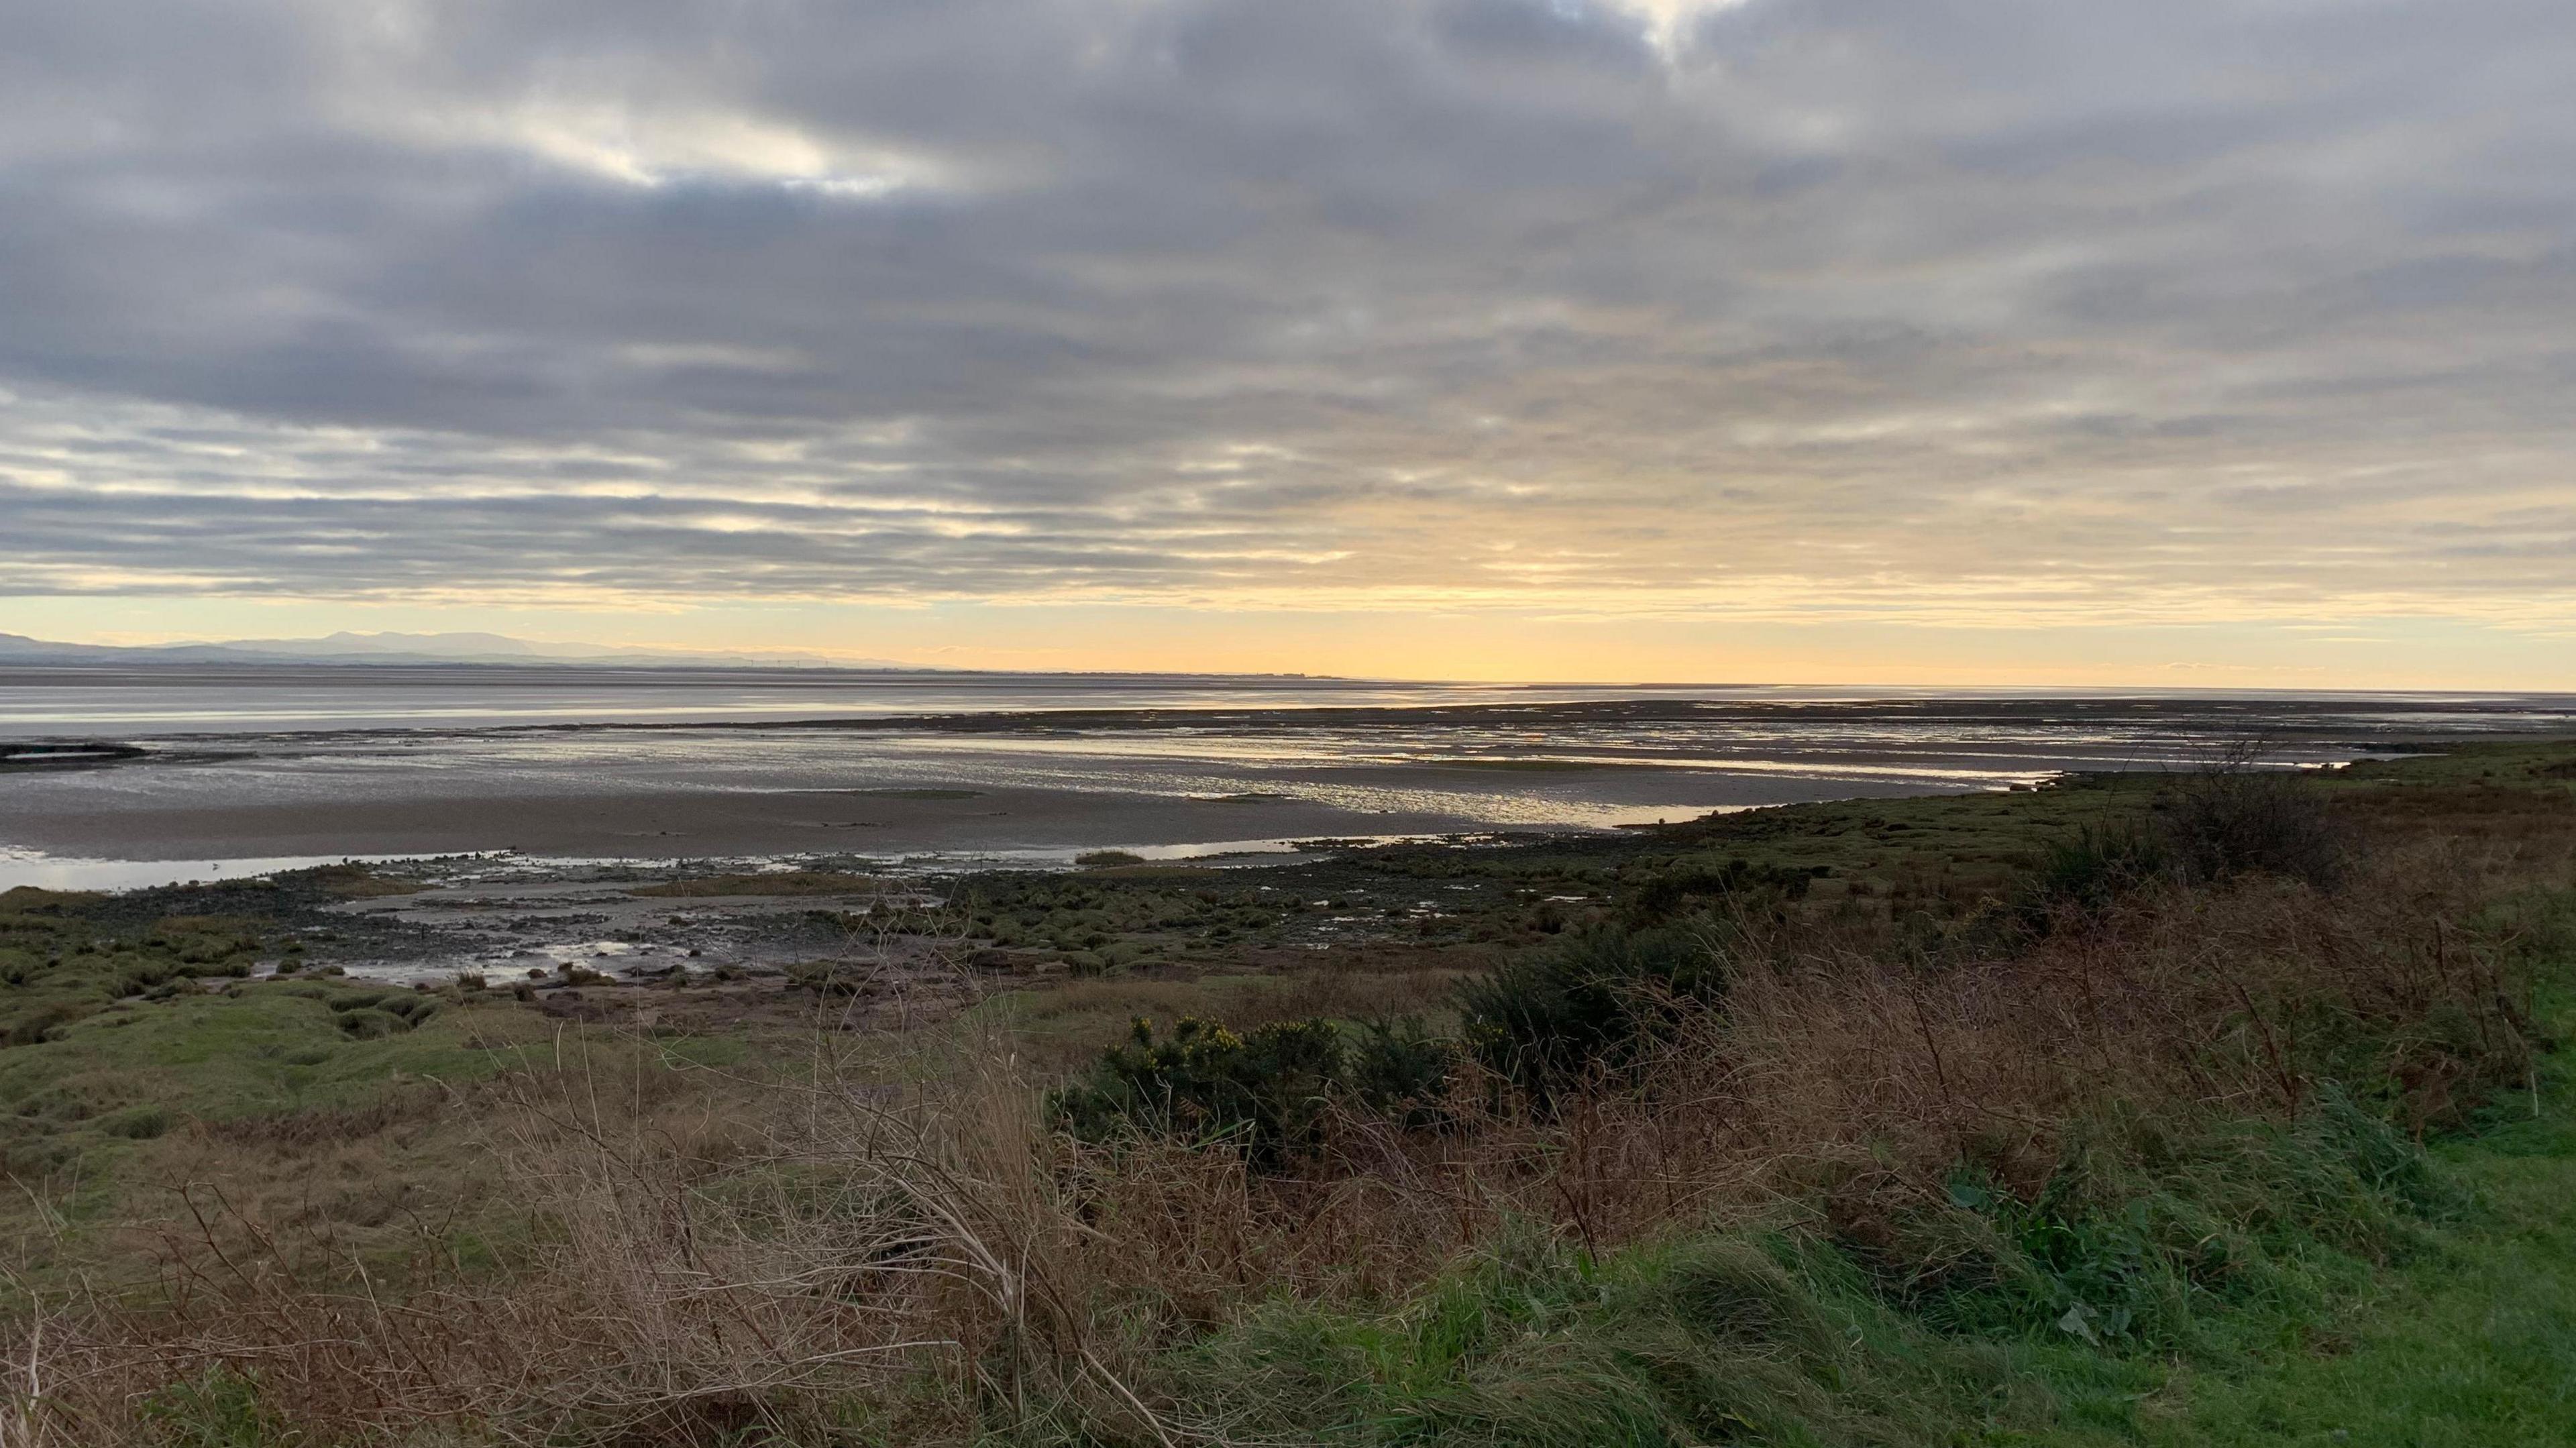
(238, 770)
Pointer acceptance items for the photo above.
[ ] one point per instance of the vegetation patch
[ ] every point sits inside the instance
(352, 881)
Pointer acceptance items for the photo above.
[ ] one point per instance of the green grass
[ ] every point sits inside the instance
(75, 1110)
(1781, 1334)
(2467, 1339)
(2470, 1342)
(1777, 1339)
(1754, 1337)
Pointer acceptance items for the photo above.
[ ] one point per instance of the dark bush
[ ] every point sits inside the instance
(1587, 1002)
(2233, 817)
(2237, 816)
(1400, 1071)
(1266, 1090)
(2091, 868)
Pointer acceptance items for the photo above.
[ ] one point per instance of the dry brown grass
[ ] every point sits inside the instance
(701, 1253)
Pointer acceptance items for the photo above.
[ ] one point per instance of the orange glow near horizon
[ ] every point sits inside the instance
(1480, 646)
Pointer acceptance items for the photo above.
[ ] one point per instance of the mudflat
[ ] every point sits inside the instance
(655, 823)
(1066, 779)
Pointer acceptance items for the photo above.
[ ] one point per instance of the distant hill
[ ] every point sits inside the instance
(407, 648)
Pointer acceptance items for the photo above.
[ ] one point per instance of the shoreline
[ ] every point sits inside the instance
(2321, 716)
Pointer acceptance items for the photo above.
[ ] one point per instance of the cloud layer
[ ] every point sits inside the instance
(2008, 311)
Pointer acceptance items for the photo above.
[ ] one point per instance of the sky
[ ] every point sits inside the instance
(1906, 341)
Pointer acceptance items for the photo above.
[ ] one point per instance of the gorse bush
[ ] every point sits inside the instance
(1588, 1003)
(1267, 1089)
(1400, 1071)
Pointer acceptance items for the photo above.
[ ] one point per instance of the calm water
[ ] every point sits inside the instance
(1336, 757)
(128, 700)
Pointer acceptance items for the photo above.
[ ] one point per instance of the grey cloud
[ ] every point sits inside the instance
(1864, 298)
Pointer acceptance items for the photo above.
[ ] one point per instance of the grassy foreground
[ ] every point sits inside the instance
(2471, 1340)
(2224, 1109)
(2457, 1328)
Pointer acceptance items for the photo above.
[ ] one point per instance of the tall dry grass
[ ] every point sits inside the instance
(701, 1254)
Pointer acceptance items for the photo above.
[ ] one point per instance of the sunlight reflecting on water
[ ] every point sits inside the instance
(1336, 757)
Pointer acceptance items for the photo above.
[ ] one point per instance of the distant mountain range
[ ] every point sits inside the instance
(405, 648)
